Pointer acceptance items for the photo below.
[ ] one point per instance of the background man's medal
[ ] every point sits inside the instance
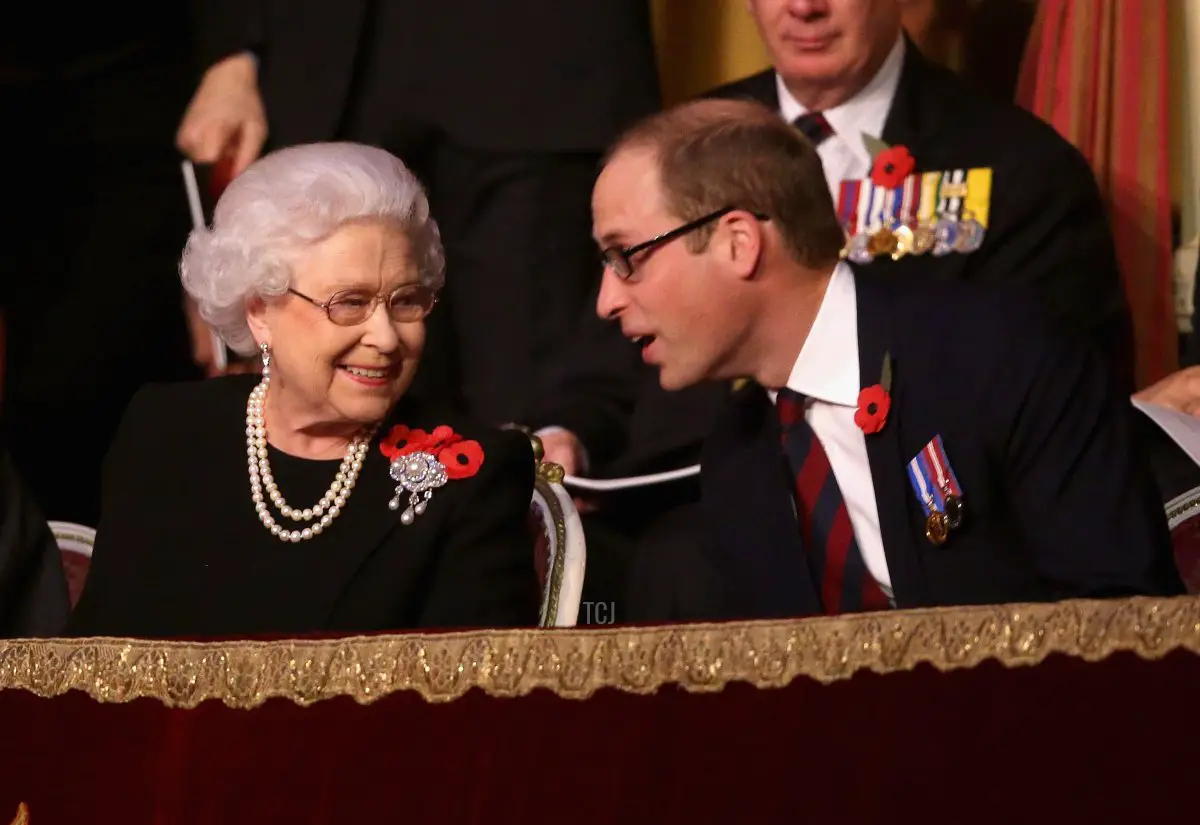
(923, 238)
(970, 234)
(882, 242)
(905, 242)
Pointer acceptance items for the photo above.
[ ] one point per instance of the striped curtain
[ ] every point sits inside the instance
(1185, 159)
(703, 44)
(1097, 71)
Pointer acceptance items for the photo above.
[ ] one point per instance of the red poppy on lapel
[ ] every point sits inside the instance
(462, 458)
(402, 440)
(873, 406)
(892, 166)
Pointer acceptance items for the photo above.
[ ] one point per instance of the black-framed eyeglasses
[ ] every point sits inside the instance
(405, 304)
(620, 259)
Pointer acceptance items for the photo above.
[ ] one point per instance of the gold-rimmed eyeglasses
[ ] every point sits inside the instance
(349, 307)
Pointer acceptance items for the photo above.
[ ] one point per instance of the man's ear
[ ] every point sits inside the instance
(743, 240)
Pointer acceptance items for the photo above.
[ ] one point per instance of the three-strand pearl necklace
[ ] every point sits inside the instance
(315, 519)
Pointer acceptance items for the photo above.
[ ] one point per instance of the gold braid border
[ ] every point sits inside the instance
(574, 664)
(547, 476)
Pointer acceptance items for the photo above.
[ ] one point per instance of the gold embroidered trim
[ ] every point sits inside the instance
(547, 476)
(575, 663)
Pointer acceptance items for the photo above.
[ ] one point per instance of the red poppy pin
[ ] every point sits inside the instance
(875, 401)
(421, 462)
(892, 166)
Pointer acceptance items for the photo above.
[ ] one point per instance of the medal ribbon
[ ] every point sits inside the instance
(848, 206)
(919, 474)
(928, 200)
(950, 206)
(912, 193)
(879, 197)
(936, 455)
(979, 194)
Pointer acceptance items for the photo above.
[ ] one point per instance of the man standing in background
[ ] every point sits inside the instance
(94, 217)
(502, 109)
(34, 595)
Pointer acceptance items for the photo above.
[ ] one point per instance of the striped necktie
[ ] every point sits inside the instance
(838, 571)
(815, 127)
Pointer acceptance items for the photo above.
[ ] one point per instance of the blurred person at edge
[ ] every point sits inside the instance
(89, 247)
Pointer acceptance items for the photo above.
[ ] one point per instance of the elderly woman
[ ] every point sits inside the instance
(318, 496)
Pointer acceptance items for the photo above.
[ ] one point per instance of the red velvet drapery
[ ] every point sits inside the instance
(1097, 71)
(1064, 741)
(1082, 711)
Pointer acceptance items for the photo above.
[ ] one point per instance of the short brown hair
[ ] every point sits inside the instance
(717, 153)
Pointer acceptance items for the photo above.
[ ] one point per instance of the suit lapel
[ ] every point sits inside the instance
(759, 87)
(884, 450)
(914, 116)
(762, 87)
(748, 505)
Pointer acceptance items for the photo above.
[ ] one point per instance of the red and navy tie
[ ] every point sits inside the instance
(838, 571)
(815, 127)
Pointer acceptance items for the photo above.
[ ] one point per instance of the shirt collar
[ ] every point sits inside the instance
(827, 367)
(866, 112)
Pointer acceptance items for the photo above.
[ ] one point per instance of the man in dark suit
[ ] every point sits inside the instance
(1176, 472)
(34, 599)
(501, 108)
(1047, 226)
(850, 63)
(914, 445)
(88, 252)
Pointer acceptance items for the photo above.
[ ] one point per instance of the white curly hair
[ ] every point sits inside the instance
(289, 199)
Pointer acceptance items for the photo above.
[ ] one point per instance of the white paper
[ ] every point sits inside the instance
(1183, 429)
(605, 484)
(220, 357)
